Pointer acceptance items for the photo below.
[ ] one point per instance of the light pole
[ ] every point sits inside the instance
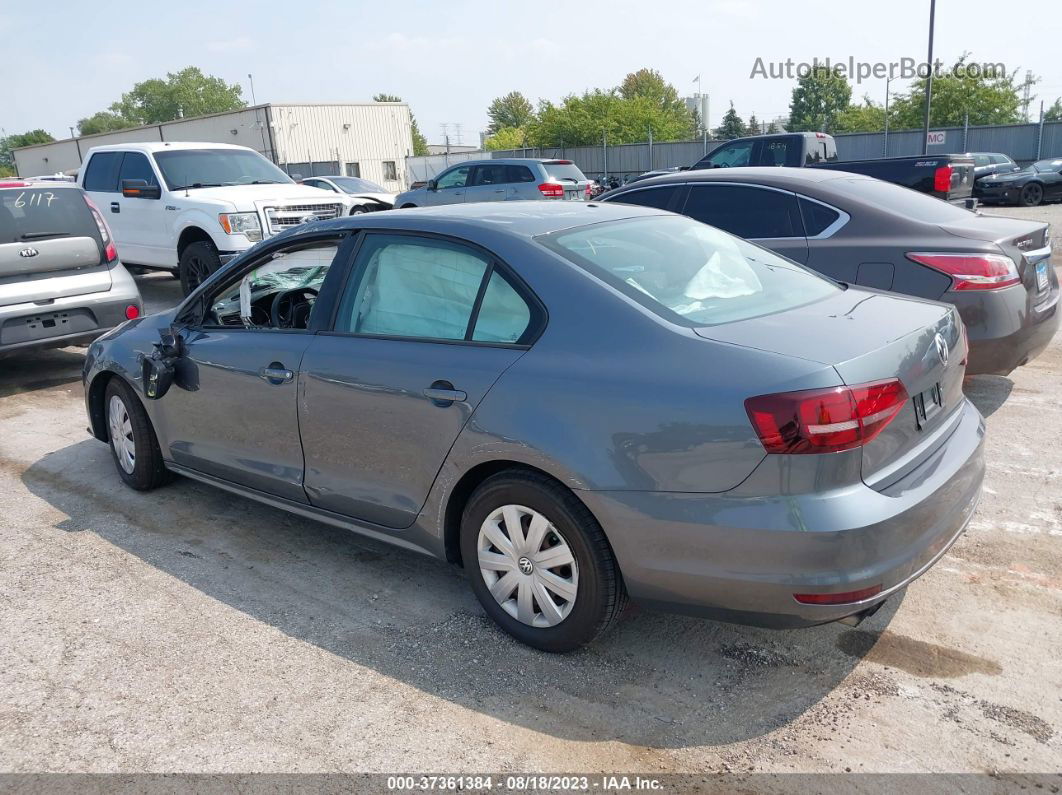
(885, 145)
(929, 78)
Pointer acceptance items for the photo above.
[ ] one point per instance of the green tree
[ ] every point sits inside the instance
(511, 111)
(7, 159)
(772, 129)
(819, 96)
(732, 126)
(867, 117)
(420, 143)
(1054, 113)
(988, 100)
(185, 93)
(754, 127)
(506, 138)
(103, 121)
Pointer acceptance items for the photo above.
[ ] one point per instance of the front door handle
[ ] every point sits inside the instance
(116, 207)
(442, 394)
(276, 374)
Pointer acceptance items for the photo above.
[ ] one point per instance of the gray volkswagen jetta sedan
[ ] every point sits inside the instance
(575, 402)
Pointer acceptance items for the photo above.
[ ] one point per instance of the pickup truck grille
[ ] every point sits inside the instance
(287, 216)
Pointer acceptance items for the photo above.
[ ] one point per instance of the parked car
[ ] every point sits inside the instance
(575, 401)
(1032, 185)
(365, 196)
(510, 179)
(986, 163)
(949, 177)
(190, 207)
(60, 278)
(866, 232)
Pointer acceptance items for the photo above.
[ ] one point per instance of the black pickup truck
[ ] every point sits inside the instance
(949, 177)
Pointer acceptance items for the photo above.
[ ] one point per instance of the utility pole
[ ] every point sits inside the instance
(885, 143)
(929, 78)
(1026, 100)
(650, 147)
(250, 79)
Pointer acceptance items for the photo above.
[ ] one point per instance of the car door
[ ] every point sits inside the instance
(101, 184)
(763, 215)
(450, 186)
(143, 221)
(425, 327)
(232, 412)
(487, 184)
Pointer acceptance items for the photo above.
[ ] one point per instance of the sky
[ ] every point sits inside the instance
(448, 60)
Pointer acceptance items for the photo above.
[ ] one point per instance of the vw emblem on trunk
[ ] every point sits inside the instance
(28, 252)
(942, 349)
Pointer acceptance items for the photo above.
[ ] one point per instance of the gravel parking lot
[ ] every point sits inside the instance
(188, 630)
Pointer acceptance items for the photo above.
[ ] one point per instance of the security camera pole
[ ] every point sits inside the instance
(929, 78)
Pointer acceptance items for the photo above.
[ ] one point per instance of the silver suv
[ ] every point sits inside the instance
(60, 278)
(511, 179)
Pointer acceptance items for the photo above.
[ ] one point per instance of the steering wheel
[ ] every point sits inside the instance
(290, 306)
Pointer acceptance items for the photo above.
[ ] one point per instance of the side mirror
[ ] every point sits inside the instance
(140, 189)
(431, 185)
(158, 369)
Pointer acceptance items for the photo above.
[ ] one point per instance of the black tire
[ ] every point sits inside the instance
(357, 210)
(198, 261)
(600, 595)
(1031, 195)
(148, 471)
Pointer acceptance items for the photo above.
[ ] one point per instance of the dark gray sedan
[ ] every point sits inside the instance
(575, 402)
(866, 232)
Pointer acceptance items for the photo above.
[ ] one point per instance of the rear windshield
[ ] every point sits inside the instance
(688, 272)
(564, 172)
(28, 214)
(903, 201)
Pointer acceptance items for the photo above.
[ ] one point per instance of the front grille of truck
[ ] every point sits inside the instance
(281, 218)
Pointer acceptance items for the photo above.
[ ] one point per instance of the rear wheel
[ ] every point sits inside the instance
(134, 446)
(198, 261)
(1031, 195)
(539, 562)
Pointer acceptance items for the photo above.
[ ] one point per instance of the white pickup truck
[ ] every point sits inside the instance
(190, 207)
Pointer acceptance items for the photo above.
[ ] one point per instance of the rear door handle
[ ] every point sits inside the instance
(276, 374)
(442, 393)
(116, 207)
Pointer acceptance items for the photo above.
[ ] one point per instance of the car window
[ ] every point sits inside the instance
(248, 302)
(745, 211)
(456, 178)
(982, 160)
(503, 315)
(687, 272)
(135, 165)
(649, 197)
(29, 215)
(729, 155)
(902, 201)
(518, 174)
(101, 173)
(412, 287)
(817, 217)
(816, 153)
(563, 171)
(489, 175)
(192, 168)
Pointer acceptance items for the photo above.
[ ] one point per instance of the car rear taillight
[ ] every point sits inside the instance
(110, 253)
(825, 420)
(847, 597)
(942, 179)
(972, 271)
(132, 312)
(589, 193)
(14, 184)
(551, 190)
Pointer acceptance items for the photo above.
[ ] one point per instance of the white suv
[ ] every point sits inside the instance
(189, 207)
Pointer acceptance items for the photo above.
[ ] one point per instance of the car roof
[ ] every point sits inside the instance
(164, 146)
(778, 176)
(521, 218)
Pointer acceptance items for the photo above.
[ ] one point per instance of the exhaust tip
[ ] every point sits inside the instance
(856, 619)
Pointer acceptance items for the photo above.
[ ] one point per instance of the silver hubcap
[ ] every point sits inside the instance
(528, 566)
(121, 434)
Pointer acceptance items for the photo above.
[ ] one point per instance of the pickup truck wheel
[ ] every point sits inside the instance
(198, 261)
(357, 210)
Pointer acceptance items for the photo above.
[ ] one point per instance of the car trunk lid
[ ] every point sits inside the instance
(869, 337)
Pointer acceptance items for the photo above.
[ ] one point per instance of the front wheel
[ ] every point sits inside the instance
(357, 210)
(1031, 195)
(134, 446)
(198, 261)
(539, 562)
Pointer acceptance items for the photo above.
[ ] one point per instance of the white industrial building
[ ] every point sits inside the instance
(366, 139)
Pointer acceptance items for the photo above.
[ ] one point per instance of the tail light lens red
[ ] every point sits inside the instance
(132, 311)
(14, 184)
(942, 179)
(825, 420)
(110, 253)
(972, 271)
(551, 190)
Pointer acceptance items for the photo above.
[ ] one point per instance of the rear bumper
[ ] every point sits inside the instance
(1007, 328)
(70, 319)
(742, 558)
